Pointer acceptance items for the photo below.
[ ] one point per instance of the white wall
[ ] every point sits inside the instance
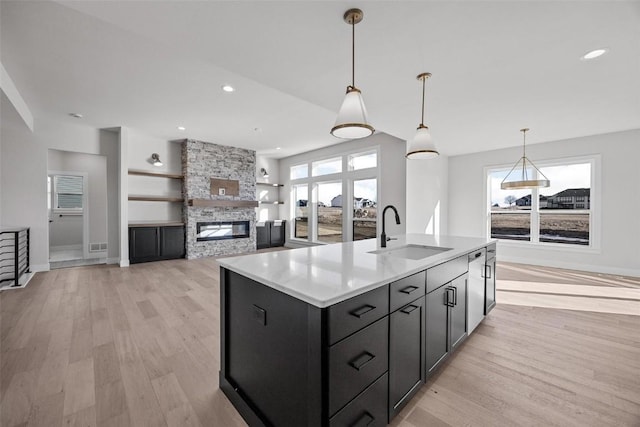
(427, 196)
(265, 211)
(392, 182)
(140, 148)
(619, 251)
(95, 166)
(110, 148)
(23, 180)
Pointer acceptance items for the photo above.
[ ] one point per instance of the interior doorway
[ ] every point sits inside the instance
(76, 207)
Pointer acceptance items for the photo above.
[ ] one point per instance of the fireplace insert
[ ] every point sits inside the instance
(222, 230)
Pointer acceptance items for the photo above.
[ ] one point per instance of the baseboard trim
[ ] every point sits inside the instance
(124, 263)
(573, 266)
(113, 260)
(39, 267)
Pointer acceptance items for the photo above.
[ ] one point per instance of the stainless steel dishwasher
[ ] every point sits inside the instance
(476, 302)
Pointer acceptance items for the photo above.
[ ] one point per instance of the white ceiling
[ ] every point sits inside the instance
(497, 67)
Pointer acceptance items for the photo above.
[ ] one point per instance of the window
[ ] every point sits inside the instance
(559, 214)
(335, 200)
(299, 171)
(67, 192)
(363, 160)
(301, 218)
(565, 221)
(365, 208)
(326, 167)
(329, 217)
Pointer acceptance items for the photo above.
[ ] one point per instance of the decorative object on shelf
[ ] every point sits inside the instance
(352, 121)
(225, 187)
(525, 180)
(422, 146)
(264, 173)
(155, 160)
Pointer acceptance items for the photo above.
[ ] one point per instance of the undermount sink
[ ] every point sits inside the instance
(414, 252)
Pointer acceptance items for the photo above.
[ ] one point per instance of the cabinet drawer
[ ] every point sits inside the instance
(446, 272)
(354, 314)
(405, 290)
(368, 409)
(356, 362)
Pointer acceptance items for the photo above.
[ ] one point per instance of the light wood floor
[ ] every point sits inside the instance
(139, 346)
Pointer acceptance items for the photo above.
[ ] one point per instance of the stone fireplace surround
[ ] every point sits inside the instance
(202, 161)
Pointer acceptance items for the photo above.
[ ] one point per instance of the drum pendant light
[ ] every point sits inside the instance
(421, 146)
(352, 121)
(525, 180)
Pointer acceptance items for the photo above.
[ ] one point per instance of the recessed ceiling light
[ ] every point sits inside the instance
(182, 128)
(228, 88)
(594, 53)
(278, 148)
(76, 115)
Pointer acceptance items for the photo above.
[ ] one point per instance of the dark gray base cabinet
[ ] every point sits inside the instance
(446, 321)
(287, 363)
(271, 234)
(356, 363)
(155, 243)
(446, 310)
(406, 354)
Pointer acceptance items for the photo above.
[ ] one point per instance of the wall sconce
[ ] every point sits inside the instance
(264, 173)
(155, 160)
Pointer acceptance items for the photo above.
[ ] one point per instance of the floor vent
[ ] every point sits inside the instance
(97, 247)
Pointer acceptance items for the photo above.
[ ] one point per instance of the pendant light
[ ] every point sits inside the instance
(421, 146)
(352, 121)
(525, 180)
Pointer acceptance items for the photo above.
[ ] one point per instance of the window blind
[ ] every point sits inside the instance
(69, 191)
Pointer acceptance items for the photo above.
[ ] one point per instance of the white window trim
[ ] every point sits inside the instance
(595, 224)
(347, 177)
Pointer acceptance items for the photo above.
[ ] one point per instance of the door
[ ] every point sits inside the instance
(66, 204)
(490, 286)
(144, 244)
(436, 327)
(263, 235)
(458, 310)
(406, 354)
(172, 242)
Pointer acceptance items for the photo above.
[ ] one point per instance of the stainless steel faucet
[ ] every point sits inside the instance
(383, 237)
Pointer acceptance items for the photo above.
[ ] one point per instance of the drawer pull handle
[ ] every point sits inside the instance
(365, 420)
(359, 312)
(408, 289)
(409, 309)
(359, 362)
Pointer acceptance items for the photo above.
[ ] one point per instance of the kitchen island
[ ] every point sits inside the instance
(341, 334)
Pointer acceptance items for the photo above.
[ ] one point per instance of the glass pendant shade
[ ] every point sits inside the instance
(352, 121)
(421, 147)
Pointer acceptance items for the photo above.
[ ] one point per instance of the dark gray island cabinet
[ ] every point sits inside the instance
(356, 362)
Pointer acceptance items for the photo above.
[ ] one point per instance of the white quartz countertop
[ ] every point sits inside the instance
(328, 274)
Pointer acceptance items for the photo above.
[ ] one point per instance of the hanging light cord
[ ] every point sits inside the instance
(524, 155)
(423, 90)
(353, 52)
